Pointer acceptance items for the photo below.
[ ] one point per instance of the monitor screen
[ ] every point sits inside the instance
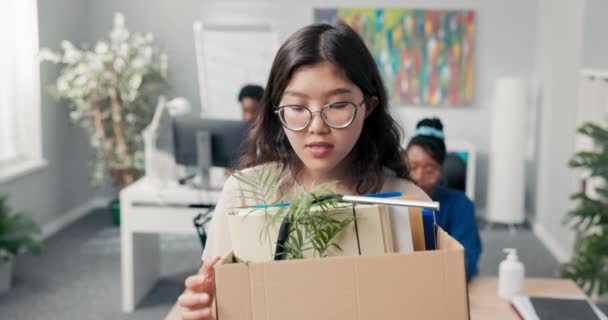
(227, 137)
(454, 174)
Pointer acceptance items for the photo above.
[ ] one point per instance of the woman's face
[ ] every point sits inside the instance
(424, 170)
(321, 148)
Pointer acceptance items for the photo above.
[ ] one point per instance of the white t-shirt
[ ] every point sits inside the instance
(218, 239)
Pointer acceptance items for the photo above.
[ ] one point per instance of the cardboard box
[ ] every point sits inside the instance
(418, 285)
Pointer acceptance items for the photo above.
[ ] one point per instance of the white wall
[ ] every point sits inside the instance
(595, 42)
(504, 47)
(558, 60)
(48, 194)
(170, 21)
(582, 26)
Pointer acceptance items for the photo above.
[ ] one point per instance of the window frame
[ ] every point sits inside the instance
(26, 94)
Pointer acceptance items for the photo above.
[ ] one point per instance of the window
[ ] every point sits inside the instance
(20, 138)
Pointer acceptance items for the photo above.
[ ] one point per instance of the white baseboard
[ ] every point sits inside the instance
(558, 251)
(74, 214)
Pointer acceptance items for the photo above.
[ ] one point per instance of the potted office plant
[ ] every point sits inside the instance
(589, 264)
(111, 90)
(17, 233)
(313, 224)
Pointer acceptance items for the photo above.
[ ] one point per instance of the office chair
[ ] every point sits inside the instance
(454, 175)
(459, 167)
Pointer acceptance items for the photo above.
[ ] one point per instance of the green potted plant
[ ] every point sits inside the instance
(111, 90)
(313, 222)
(17, 233)
(589, 264)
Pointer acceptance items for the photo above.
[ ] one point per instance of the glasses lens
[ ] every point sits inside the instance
(294, 117)
(339, 114)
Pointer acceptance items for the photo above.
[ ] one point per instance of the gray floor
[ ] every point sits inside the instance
(535, 257)
(79, 275)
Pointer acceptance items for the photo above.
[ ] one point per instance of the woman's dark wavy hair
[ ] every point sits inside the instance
(379, 144)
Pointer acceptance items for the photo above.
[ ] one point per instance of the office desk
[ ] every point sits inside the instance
(484, 302)
(146, 211)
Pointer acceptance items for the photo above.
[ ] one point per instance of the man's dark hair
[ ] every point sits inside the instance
(251, 91)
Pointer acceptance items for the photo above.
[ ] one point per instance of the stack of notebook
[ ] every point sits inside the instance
(372, 234)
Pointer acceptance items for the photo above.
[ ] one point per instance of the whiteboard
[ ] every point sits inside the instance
(592, 107)
(229, 58)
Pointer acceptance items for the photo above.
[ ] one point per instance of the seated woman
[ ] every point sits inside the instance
(425, 154)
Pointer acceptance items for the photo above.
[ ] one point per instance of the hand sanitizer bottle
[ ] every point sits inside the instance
(510, 275)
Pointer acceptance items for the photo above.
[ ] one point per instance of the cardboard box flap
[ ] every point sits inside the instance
(454, 282)
(299, 287)
(257, 283)
(232, 288)
(454, 268)
(403, 286)
(445, 242)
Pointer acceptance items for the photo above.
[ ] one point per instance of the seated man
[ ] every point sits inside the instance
(425, 155)
(249, 98)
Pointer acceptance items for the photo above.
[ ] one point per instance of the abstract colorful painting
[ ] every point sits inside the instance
(425, 56)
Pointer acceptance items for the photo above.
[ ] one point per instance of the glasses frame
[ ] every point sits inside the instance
(277, 111)
(427, 169)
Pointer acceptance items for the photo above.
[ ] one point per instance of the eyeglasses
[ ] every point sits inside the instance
(427, 169)
(337, 115)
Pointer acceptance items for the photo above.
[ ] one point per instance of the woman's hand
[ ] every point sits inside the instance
(196, 301)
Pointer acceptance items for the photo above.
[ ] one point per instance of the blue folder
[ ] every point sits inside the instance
(428, 220)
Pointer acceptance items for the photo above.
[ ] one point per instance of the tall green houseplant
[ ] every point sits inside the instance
(589, 265)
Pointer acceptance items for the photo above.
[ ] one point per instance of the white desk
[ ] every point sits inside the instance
(484, 302)
(146, 211)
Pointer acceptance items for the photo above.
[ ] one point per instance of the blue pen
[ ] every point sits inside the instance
(374, 195)
(384, 195)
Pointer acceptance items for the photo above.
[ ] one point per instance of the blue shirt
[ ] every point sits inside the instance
(456, 216)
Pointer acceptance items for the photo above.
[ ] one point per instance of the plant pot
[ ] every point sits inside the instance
(114, 207)
(6, 272)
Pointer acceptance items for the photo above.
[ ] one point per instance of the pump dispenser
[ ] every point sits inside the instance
(510, 275)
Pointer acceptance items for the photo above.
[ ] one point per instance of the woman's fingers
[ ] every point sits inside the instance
(195, 283)
(207, 268)
(204, 277)
(208, 272)
(196, 301)
(203, 314)
(192, 300)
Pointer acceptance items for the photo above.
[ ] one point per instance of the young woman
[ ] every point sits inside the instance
(324, 117)
(424, 155)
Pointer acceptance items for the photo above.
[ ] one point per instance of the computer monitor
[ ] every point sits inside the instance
(227, 137)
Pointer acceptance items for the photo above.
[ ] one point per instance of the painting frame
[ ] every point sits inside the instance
(425, 56)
